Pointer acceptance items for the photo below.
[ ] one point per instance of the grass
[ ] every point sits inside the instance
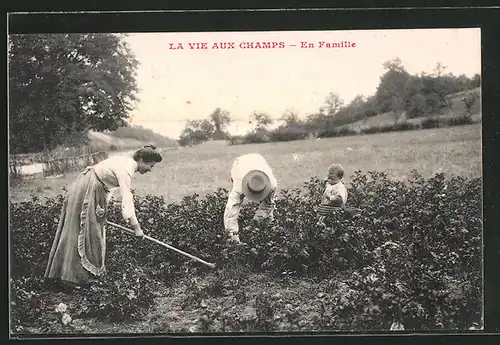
(202, 169)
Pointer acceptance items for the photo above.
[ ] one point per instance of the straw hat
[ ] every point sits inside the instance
(256, 185)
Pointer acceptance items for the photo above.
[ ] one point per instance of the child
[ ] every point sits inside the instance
(335, 194)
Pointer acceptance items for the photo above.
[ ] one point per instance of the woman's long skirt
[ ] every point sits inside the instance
(79, 247)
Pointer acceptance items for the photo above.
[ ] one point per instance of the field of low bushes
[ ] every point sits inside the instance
(411, 257)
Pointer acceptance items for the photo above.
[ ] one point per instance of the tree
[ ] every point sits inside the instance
(261, 121)
(469, 101)
(464, 82)
(61, 85)
(316, 122)
(417, 106)
(196, 132)
(333, 104)
(391, 90)
(352, 112)
(370, 108)
(443, 86)
(415, 98)
(395, 65)
(291, 118)
(220, 119)
(476, 81)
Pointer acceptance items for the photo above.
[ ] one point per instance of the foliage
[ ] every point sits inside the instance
(390, 92)
(399, 126)
(412, 254)
(333, 103)
(469, 101)
(125, 294)
(433, 122)
(403, 95)
(290, 118)
(360, 108)
(288, 133)
(460, 121)
(298, 132)
(261, 121)
(337, 132)
(220, 119)
(199, 131)
(196, 132)
(64, 84)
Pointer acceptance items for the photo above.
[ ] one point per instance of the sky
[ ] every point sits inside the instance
(188, 84)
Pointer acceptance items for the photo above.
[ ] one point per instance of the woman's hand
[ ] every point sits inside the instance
(138, 231)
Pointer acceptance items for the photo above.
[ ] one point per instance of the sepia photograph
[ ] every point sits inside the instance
(245, 181)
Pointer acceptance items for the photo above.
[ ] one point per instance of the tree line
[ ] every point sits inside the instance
(399, 93)
(63, 85)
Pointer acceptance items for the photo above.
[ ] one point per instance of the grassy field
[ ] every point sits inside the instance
(204, 168)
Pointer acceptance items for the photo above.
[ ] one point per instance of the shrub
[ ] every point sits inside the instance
(258, 137)
(399, 126)
(434, 122)
(237, 140)
(288, 133)
(431, 122)
(412, 253)
(337, 132)
(460, 121)
(404, 126)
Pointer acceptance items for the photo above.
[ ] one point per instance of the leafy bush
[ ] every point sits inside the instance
(124, 295)
(399, 126)
(412, 253)
(404, 126)
(431, 122)
(337, 132)
(256, 137)
(434, 122)
(288, 133)
(460, 121)
(237, 140)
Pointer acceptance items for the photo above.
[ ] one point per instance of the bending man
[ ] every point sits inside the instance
(253, 178)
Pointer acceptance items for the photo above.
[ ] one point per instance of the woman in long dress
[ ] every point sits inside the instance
(78, 252)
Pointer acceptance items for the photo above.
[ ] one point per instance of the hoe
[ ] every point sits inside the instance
(211, 265)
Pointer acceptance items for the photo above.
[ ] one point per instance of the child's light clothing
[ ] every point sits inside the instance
(335, 194)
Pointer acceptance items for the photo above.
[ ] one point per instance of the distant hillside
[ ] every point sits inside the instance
(457, 109)
(125, 138)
